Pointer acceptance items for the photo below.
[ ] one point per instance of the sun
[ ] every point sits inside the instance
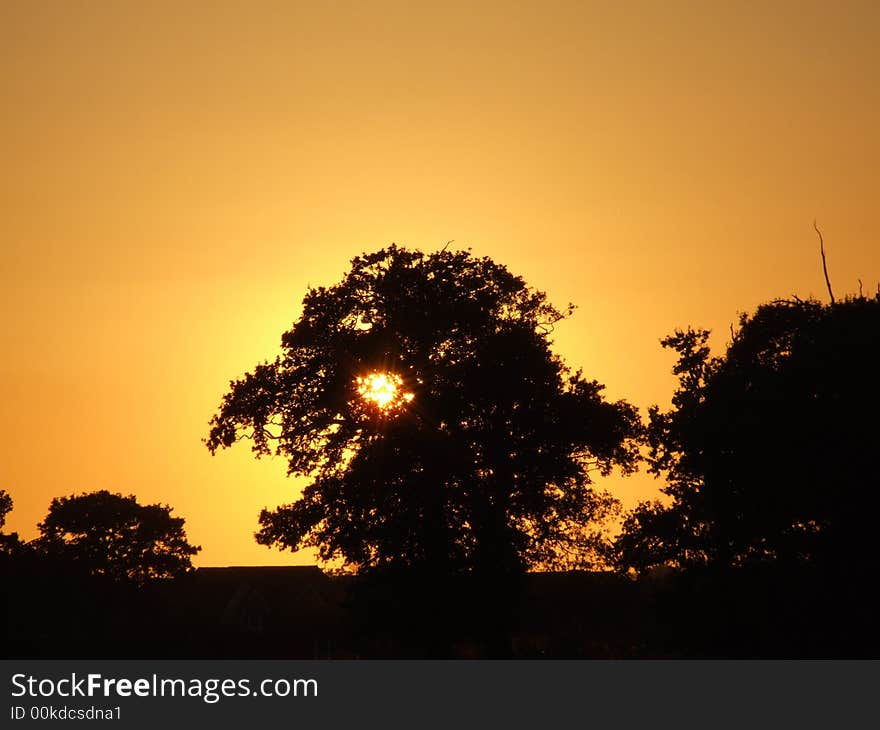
(383, 390)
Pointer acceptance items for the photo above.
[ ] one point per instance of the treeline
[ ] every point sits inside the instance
(479, 458)
(763, 544)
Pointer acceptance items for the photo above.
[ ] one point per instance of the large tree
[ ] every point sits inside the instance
(421, 398)
(115, 536)
(769, 450)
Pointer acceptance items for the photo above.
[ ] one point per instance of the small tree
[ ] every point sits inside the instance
(114, 536)
(9, 544)
(5, 506)
(422, 399)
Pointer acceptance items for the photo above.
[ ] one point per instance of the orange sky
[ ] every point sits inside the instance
(174, 177)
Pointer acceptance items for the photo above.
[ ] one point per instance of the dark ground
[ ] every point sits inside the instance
(300, 612)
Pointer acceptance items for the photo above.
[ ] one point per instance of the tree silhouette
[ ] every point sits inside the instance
(114, 536)
(770, 451)
(5, 506)
(9, 544)
(422, 399)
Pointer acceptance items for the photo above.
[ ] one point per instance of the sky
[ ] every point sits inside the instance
(175, 175)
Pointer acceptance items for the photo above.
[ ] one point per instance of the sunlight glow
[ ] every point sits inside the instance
(383, 390)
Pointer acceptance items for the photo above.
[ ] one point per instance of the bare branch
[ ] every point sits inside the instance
(824, 263)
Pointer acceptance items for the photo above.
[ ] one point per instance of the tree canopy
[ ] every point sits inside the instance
(769, 450)
(114, 536)
(421, 398)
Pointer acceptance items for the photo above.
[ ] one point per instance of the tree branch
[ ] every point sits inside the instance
(824, 263)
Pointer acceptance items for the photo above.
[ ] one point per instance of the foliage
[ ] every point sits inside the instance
(479, 461)
(9, 544)
(769, 450)
(5, 506)
(114, 536)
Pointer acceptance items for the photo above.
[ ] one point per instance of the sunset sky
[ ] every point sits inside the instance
(175, 174)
